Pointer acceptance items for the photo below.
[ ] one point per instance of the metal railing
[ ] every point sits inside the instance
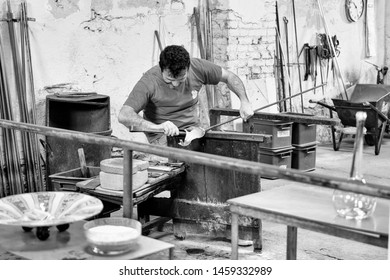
(223, 162)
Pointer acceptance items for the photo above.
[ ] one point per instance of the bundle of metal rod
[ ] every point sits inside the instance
(11, 175)
(20, 90)
(29, 79)
(24, 163)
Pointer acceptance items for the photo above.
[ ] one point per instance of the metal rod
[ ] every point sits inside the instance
(288, 59)
(158, 40)
(330, 42)
(128, 184)
(11, 149)
(297, 50)
(280, 61)
(199, 33)
(264, 107)
(36, 149)
(21, 93)
(283, 56)
(223, 162)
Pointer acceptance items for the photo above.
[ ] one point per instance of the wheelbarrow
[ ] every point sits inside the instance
(370, 98)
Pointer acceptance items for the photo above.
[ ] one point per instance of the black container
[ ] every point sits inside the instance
(278, 157)
(280, 131)
(304, 157)
(303, 133)
(88, 114)
(85, 114)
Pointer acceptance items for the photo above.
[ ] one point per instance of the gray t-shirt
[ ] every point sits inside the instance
(160, 103)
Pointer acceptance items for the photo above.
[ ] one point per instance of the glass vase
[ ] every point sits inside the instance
(352, 205)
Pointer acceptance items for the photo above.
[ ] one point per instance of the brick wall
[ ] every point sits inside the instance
(245, 46)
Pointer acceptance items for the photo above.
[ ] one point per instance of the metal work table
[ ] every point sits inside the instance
(160, 179)
(309, 208)
(70, 245)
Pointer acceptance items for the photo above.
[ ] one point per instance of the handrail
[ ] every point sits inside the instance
(223, 162)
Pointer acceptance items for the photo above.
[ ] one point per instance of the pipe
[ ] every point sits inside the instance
(288, 59)
(296, 46)
(330, 42)
(158, 40)
(228, 163)
(128, 184)
(280, 61)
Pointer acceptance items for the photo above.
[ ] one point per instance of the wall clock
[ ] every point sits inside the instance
(354, 9)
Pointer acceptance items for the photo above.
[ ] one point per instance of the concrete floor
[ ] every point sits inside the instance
(311, 245)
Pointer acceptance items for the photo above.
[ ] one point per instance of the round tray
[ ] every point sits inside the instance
(45, 209)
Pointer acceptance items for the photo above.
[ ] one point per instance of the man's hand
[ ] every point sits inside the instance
(246, 111)
(170, 129)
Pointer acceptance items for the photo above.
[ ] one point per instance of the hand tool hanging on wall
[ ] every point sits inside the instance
(283, 107)
(310, 57)
(287, 58)
(297, 50)
(334, 58)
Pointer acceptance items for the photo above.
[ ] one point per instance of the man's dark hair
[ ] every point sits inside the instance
(175, 59)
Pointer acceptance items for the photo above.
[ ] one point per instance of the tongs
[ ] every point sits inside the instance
(190, 135)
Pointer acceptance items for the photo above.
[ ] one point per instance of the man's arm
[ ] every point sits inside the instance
(235, 84)
(128, 117)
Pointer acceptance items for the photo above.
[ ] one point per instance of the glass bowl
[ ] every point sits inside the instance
(111, 236)
(41, 210)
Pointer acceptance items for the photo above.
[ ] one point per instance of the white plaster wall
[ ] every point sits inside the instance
(106, 51)
(106, 45)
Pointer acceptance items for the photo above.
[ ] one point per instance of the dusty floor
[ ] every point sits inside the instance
(311, 245)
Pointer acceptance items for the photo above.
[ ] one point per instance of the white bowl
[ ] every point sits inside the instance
(115, 235)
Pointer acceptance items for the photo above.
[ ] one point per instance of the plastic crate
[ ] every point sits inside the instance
(304, 157)
(280, 131)
(66, 181)
(279, 157)
(303, 133)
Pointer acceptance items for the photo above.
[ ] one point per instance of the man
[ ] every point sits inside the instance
(168, 94)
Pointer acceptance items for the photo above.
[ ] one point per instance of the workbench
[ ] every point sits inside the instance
(162, 177)
(309, 208)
